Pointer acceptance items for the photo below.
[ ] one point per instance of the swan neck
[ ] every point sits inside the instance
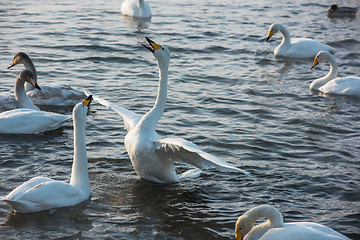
(150, 119)
(274, 220)
(140, 3)
(79, 174)
(28, 64)
(273, 215)
(286, 41)
(21, 96)
(316, 84)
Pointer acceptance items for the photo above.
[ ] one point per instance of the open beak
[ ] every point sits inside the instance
(316, 62)
(269, 36)
(153, 46)
(87, 101)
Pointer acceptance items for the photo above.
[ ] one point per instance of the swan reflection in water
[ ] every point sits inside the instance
(139, 24)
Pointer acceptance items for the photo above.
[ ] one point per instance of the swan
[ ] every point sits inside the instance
(275, 229)
(296, 48)
(136, 8)
(340, 12)
(149, 153)
(42, 193)
(28, 119)
(330, 84)
(20, 99)
(51, 94)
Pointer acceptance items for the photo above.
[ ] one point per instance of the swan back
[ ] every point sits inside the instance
(136, 8)
(245, 224)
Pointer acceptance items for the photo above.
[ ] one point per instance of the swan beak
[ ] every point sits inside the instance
(269, 36)
(238, 235)
(316, 62)
(34, 83)
(11, 65)
(87, 101)
(37, 86)
(153, 46)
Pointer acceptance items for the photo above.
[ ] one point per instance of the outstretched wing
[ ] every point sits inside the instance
(130, 118)
(181, 150)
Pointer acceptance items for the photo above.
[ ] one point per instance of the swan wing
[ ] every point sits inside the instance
(181, 150)
(8, 102)
(29, 121)
(345, 86)
(56, 95)
(307, 48)
(130, 118)
(47, 195)
(18, 192)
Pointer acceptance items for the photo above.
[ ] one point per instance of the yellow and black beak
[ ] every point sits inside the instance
(238, 235)
(270, 34)
(87, 101)
(316, 62)
(153, 46)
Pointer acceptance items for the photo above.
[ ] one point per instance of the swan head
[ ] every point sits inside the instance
(19, 58)
(80, 109)
(243, 226)
(274, 28)
(161, 53)
(321, 57)
(28, 76)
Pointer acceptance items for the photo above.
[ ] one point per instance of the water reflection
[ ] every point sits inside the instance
(73, 216)
(135, 23)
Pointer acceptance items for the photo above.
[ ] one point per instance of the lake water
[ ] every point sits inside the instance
(226, 93)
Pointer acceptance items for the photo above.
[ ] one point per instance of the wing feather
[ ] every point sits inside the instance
(130, 118)
(181, 150)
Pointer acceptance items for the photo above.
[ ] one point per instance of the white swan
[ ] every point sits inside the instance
(275, 229)
(136, 8)
(28, 119)
(330, 84)
(296, 48)
(150, 155)
(41, 193)
(51, 94)
(20, 100)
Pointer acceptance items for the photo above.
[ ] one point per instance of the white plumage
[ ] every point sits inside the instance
(275, 229)
(296, 48)
(41, 193)
(27, 118)
(136, 8)
(150, 155)
(330, 84)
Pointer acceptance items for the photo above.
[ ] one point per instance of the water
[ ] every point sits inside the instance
(226, 93)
